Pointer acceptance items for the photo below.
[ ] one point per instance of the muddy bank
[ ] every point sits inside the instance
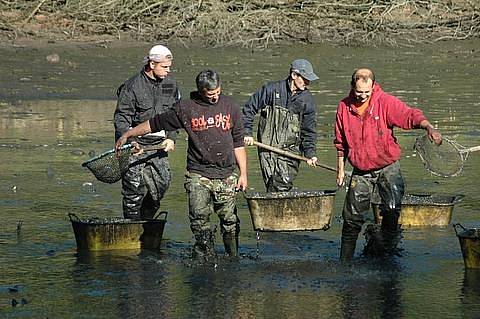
(244, 23)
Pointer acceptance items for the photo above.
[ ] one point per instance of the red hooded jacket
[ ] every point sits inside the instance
(368, 142)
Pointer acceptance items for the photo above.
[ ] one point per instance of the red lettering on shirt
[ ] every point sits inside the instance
(217, 121)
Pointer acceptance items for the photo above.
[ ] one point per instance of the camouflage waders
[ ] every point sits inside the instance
(280, 128)
(207, 196)
(389, 185)
(144, 185)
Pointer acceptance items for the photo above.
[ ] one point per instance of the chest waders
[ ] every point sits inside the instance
(386, 184)
(278, 127)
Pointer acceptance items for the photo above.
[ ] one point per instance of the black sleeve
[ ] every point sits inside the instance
(255, 103)
(168, 121)
(124, 111)
(237, 130)
(173, 134)
(308, 133)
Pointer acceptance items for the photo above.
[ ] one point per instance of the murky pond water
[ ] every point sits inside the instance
(55, 116)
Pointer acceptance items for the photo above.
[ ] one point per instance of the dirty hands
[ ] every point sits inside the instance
(120, 142)
(434, 135)
(312, 161)
(169, 145)
(242, 183)
(248, 140)
(340, 178)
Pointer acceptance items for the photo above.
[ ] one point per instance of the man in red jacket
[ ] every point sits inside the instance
(364, 135)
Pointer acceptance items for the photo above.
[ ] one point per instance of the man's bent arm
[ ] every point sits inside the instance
(141, 129)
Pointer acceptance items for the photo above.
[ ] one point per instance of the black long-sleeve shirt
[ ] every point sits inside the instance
(214, 131)
(279, 93)
(139, 99)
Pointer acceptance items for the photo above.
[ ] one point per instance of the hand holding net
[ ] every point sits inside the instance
(446, 159)
(109, 167)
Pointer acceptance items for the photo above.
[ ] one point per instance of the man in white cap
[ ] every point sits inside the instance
(150, 92)
(287, 121)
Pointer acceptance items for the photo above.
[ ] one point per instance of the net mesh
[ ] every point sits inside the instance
(442, 160)
(108, 167)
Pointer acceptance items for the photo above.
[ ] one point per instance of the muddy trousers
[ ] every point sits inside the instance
(207, 196)
(389, 185)
(144, 184)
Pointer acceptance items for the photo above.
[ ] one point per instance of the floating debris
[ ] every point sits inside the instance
(50, 172)
(53, 58)
(22, 302)
(13, 289)
(19, 227)
(77, 152)
(88, 187)
(50, 252)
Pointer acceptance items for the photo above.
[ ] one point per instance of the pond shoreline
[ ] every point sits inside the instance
(251, 24)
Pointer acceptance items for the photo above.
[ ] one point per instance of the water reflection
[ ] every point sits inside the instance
(128, 284)
(376, 296)
(259, 289)
(470, 296)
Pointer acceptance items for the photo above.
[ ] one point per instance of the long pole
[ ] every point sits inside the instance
(289, 154)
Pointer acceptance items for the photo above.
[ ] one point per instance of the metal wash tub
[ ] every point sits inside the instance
(423, 210)
(291, 211)
(469, 239)
(117, 233)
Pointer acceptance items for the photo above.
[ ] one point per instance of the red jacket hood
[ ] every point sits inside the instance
(369, 141)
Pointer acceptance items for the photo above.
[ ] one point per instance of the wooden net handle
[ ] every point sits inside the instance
(291, 155)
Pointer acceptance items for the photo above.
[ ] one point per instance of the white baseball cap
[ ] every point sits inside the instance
(159, 53)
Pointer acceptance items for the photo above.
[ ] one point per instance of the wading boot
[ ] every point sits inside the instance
(230, 241)
(350, 233)
(347, 250)
(391, 232)
(374, 242)
(204, 247)
(382, 242)
(391, 239)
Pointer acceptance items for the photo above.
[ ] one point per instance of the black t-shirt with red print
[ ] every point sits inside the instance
(214, 131)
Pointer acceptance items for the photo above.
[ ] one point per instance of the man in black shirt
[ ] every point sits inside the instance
(215, 144)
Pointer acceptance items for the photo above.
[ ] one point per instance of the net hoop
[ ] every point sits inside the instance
(107, 153)
(108, 167)
(445, 160)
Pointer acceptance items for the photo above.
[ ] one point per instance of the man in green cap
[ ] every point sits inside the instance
(287, 121)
